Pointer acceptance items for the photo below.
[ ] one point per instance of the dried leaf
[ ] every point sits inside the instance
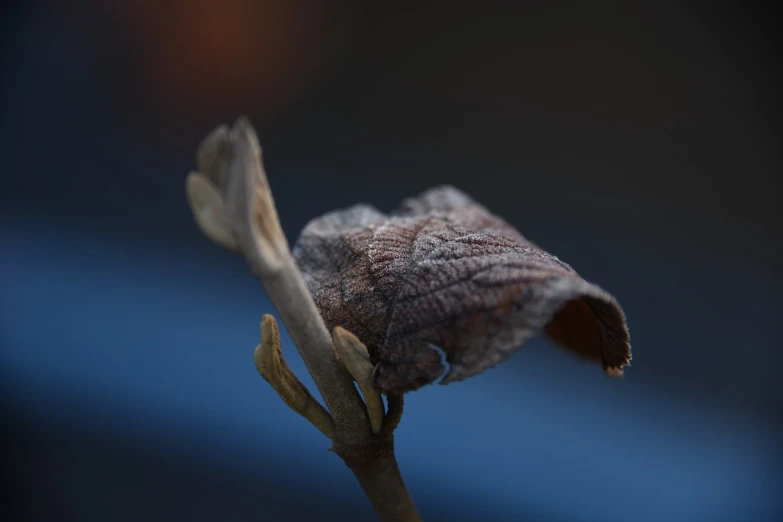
(443, 271)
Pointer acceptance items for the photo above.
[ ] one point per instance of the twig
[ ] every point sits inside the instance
(232, 203)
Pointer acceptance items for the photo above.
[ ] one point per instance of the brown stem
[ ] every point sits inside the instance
(393, 415)
(376, 469)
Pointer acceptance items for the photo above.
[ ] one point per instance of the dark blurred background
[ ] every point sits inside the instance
(638, 141)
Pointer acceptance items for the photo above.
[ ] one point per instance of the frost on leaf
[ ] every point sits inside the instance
(442, 270)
